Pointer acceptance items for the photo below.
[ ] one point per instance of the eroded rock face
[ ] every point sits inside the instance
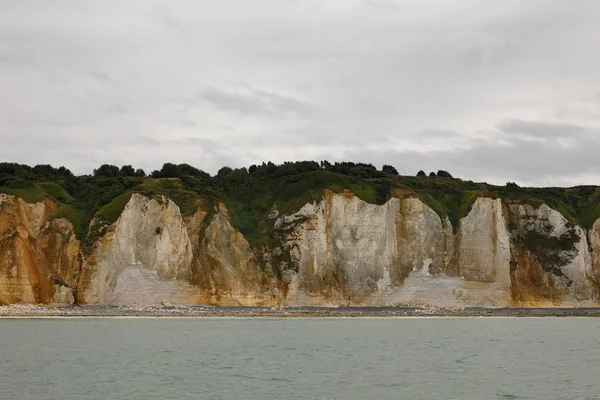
(550, 259)
(225, 268)
(341, 248)
(148, 257)
(595, 247)
(346, 251)
(144, 258)
(424, 240)
(475, 261)
(34, 250)
(483, 243)
(338, 251)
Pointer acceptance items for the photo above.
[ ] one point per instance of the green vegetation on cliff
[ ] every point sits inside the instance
(111, 211)
(251, 194)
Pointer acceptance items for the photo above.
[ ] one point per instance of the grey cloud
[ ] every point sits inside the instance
(437, 133)
(99, 75)
(384, 6)
(525, 161)
(146, 141)
(12, 60)
(116, 108)
(540, 129)
(231, 101)
(186, 122)
(401, 82)
(254, 102)
(202, 143)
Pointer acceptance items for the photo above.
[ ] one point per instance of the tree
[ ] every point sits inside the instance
(64, 171)
(421, 173)
(511, 185)
(272, 170)
(304, 166)
(43, 171)
(325, 165)
(252, 168)
(107, 171)
(223, 172)
(127, 170)
(168, 170)
(432, 175)
(140, 173)
(47, 172)
(443, 174)
(186, 169)
(288, 168)
(389, 169)
(382, 190)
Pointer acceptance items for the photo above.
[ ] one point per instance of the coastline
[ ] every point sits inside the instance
(18, 310)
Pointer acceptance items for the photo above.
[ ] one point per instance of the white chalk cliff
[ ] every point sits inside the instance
(345, 251)
(336, 251)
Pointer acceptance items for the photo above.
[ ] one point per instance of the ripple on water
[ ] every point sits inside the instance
(300, 359)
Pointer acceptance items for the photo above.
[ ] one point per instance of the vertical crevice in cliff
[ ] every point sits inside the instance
(331, 282)
(594, 247)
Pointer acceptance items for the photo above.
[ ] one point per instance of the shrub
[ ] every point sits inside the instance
(223, 172)
(389, 169)
(107, 171)
(127, 170)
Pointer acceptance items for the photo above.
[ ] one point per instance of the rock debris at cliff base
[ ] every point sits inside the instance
(18, 311)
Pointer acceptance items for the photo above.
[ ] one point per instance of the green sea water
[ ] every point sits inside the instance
(312, 358)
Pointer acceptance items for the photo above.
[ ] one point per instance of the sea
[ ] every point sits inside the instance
(300, 358)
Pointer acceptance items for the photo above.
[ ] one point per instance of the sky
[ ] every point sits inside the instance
(491, 91)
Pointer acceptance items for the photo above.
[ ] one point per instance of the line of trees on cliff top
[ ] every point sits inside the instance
(271, 170)
(12, 171)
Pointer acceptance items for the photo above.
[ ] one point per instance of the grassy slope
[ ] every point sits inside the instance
(450, 198)
(251, 198)
(111, 212)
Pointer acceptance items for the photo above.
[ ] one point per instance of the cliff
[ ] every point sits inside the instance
(39, 257)
(337, 251)
(345, 251)
(153, 254)
(161, 244)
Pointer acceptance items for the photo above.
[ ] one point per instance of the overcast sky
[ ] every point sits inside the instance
(488, 90)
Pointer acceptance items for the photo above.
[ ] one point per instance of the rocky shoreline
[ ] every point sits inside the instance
(18, 310)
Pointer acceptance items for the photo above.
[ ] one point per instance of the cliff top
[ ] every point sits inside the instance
(250, 194)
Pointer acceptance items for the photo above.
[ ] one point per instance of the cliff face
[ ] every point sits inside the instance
(151, 254)
(38, 255)
(341, 249)
(337, 251)
(225, 268)
(551, 262)
(146, 255)
(345, 251)
(595, 248)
